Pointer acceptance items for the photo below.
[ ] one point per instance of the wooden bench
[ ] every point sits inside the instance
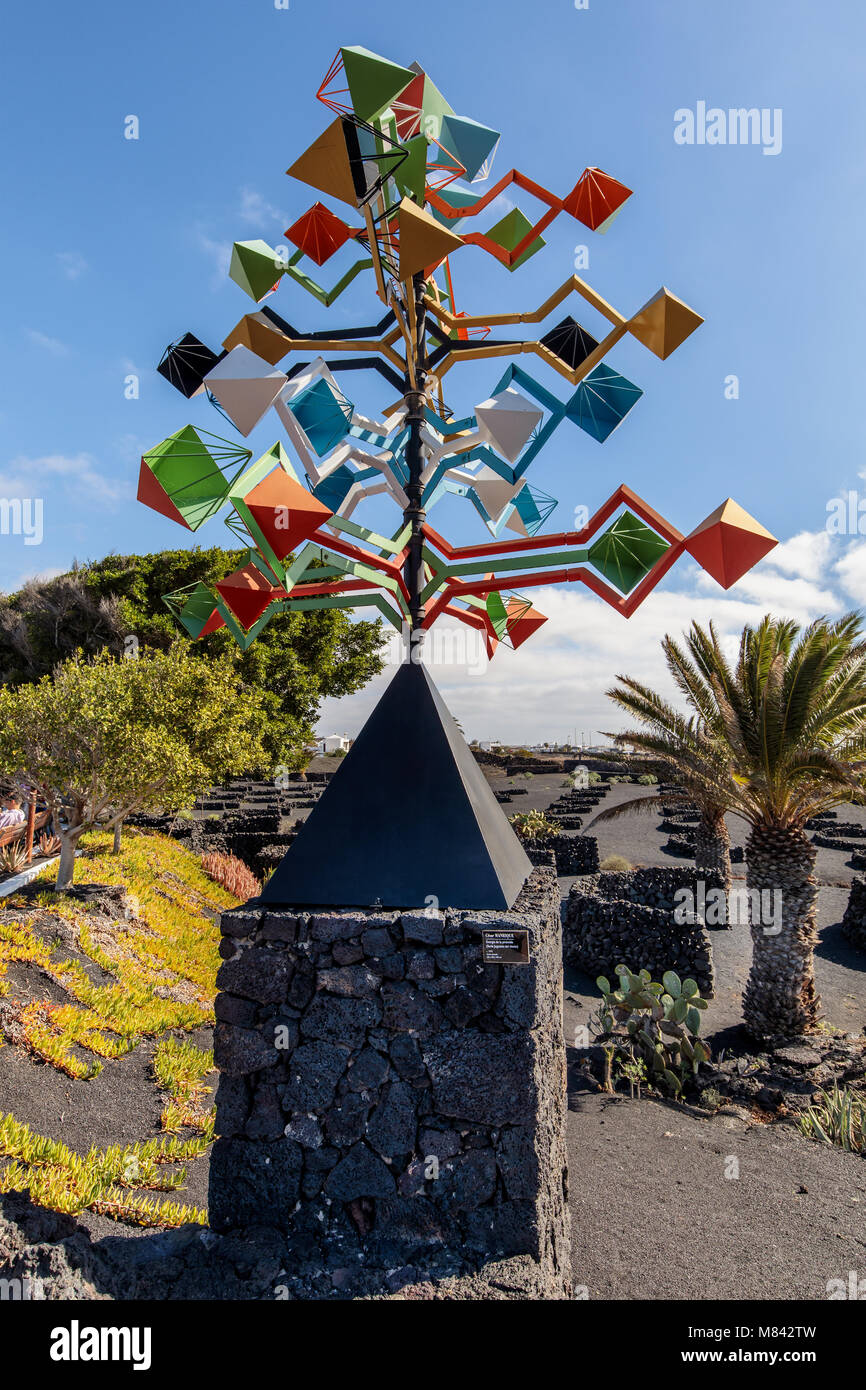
(27, 828)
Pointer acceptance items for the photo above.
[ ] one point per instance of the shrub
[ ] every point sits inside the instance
(647, 779)
(838, 1118)
(654, 1023)
(533, 825)
(594, 777)
(48, 845)
(615, 864)
(232, 874)
(13, 857)
(101, 739)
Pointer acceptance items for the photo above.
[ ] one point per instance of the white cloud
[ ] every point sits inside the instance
(219, 253)
(52, 345)
(130, 447)
(555, 684)
(805, 554)
(499, 208)
(257, 210)
(72, 263)
(851, 572)
(789, 598)
(25, 476)
(40, 575)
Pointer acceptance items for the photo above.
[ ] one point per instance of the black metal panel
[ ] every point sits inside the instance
(187, 362)
(569, 342)
(408, 817)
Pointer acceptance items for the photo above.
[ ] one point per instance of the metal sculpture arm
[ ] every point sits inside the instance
(406, 163)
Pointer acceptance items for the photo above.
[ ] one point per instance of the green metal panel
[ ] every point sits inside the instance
(626, 552)
(191, 471)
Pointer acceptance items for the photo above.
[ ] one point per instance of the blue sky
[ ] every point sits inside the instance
(112, 248)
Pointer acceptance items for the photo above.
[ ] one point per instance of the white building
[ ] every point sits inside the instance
(334, 743)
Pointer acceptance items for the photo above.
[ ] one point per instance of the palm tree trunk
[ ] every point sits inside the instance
(713, 846)
(780, 997)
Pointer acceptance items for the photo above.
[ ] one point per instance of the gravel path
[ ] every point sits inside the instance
(654, 1214)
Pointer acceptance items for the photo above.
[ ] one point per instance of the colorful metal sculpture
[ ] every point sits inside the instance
(408, 166)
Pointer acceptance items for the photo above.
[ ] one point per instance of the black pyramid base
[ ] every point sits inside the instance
(408, 818)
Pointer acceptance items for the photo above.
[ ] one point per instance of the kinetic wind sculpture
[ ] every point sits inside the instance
(408, 167)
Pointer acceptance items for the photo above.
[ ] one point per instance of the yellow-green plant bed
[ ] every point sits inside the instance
(180, 1070)
(157, 959)
(102, 1180)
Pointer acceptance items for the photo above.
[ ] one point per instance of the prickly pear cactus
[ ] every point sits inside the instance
(658, 1022)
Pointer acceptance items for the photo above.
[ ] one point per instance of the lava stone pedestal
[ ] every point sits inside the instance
(393, 1104)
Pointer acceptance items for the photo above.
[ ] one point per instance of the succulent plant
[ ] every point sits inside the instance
(659, 1023)
(13, 857)
(533, 825)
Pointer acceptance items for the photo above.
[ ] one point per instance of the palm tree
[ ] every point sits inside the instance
(712, 841)
(776, 738)
(688, 748)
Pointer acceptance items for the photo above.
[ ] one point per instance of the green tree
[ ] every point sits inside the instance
(299, 660)
(104, 737)
(776, 737)
(712, 840)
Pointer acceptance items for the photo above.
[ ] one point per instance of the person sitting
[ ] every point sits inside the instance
(11, 813)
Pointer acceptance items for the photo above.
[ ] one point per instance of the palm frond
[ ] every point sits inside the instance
(638, 806)
(773, 738)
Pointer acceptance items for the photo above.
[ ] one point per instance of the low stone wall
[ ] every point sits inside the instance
(845, 843)
(577, 801)
(272, 854)
(680, 815)
(575, 854)
(538, 767)
(681, 848)
(854, 920)
(655, 887)
(572, 854)
(681, 844)
(628, 917)
(847, 829)
(390, 1102)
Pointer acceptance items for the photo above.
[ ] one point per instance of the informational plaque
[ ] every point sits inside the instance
(505, 947)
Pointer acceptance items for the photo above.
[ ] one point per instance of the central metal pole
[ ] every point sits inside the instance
(414, 515)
